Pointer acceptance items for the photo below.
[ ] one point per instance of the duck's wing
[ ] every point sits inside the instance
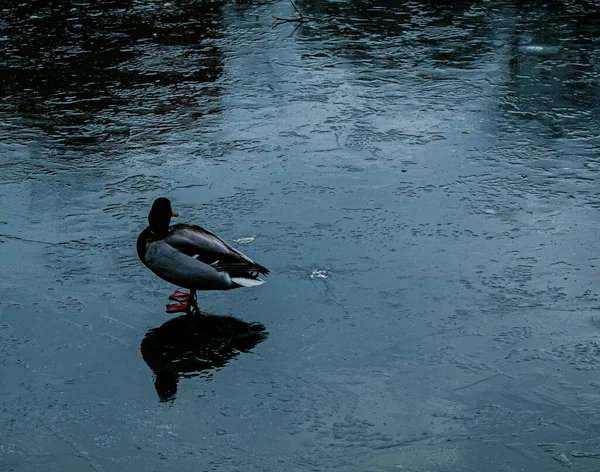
(207, 247)
(177, 268)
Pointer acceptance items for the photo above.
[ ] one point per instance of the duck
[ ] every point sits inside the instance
(190, 256)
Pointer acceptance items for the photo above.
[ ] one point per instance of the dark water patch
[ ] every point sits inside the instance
(553, 69)
(451, 33)
(70, 66)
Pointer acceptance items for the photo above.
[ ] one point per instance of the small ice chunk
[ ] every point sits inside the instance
(491, 211)
(244, 240)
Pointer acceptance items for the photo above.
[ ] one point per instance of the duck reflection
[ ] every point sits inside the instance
(193, 344)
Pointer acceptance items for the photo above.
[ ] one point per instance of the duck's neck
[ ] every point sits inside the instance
(158, 233)
(147, 236)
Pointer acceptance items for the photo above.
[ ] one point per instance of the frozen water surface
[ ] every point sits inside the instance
(420, 177)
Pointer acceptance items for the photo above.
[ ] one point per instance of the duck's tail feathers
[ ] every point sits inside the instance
(247, 282)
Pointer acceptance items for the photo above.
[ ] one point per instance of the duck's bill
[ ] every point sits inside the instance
(174, 213)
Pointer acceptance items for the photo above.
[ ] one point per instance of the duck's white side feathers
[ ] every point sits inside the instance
(244, 282)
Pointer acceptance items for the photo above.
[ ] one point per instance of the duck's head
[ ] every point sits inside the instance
(160, 215)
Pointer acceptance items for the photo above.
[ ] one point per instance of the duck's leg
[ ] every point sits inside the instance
(193, 301)
(187, 302)
(179, 296)
(177, 307)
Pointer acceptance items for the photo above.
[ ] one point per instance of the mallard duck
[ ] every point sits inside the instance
(192, 257)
